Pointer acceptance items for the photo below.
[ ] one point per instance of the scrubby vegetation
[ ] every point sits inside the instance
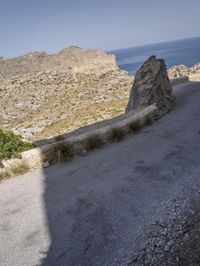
(11, 145)
(134, 126)
(4, 174)
(62, 152)
(18, 167)
(116, 134)
(149, 120)
(93, 142)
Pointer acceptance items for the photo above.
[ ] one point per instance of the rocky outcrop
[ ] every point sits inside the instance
(195, 69)
(42, 95)
(151, 86)
(180, 71)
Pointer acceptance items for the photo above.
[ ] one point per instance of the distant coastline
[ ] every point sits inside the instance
(182, 52)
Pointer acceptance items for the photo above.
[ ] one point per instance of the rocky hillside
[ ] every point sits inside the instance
(183, 71)
(42, 95)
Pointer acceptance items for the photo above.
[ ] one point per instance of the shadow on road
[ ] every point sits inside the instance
(96, 205)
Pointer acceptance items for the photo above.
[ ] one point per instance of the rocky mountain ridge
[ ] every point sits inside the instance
(72, 59)
(46, 95)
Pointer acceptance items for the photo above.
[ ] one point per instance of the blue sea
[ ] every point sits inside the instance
(186, 52)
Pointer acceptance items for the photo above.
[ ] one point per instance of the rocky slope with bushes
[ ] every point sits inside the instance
(42, 95)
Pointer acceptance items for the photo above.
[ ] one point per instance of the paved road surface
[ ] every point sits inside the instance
(90, 211)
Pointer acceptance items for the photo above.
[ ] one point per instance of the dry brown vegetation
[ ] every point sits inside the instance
(18, 167)
(93, 142)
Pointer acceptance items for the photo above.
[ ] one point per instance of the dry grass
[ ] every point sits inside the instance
(149, 120)
(135, 126)
(62, 152)
(93, 142)
(18, 167)
(116, 135)
(4, 174)
(85, 116)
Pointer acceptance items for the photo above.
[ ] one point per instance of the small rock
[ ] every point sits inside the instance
(186, 237)
(164, 232)
(170, 243)
(166, 248)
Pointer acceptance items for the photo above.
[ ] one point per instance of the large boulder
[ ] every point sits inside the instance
(151, 85)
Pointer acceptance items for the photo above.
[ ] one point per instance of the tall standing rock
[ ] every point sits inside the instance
(151, 85)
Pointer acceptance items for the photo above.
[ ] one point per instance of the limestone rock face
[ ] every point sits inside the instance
(151, 86)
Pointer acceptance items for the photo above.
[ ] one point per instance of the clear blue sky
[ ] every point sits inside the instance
(50, 25)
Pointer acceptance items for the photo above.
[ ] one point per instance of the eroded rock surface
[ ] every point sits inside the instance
(151, 86)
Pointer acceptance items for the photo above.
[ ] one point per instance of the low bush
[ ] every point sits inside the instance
(93, 142)
(134, 126)
(116, 134)
(149, 120)
(62, 152)
(18, 167)
(11, 145)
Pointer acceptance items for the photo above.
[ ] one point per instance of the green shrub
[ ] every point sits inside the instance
(134, 126)
(116, 134)
(62, 152)
(93, 142)
(11, 145)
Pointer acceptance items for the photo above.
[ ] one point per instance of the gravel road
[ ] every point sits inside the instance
(108, 207)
